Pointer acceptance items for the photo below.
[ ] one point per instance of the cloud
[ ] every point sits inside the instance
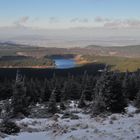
(133, 22)
(117, 23)
(74, 19)
(83, 20)
(21, 21)
(101, 19)
(125, 23)
(53, 20)
(35, 19)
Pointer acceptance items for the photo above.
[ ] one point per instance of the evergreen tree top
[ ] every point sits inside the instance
(19, 78)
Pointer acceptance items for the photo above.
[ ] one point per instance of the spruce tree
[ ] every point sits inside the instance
(47, 90)
(30, 91)
(52, 107)
(63, 96)
(118, 101)
(19, 101)
(82, 100)
(137, 100)
(73, 90)
(126, 86)
(108, 94)
(88, 89)
(133, 87)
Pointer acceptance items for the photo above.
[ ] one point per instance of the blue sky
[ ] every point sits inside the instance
(69, 13)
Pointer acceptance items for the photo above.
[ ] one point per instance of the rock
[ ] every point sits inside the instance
(55, 117)
(78, 125)
(73, 128)
(30, 130)
(70, 115)
(75, 111)
(84, 126)
(97, 119)
(138, 137)
(66, 115)
(23, 125)
(72, 138)
(96, 130)
(74, 117)
(20, 116)
(130, 115)
(64, 131)
(110, 122)
(2, 135)
(113, 117)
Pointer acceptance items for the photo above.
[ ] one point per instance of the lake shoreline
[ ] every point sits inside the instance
(59, 62)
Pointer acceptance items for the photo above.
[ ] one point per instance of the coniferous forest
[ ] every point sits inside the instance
(106, 91)
(101, 93)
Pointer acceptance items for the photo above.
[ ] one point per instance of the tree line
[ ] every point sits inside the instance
(108, 92)
(23, 61)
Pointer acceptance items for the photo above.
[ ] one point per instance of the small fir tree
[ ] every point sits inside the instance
(52, 107)
(82, 100)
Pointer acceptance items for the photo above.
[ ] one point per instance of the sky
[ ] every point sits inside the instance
(73, 22)
(59, 14)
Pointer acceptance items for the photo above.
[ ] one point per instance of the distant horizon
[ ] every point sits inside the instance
(71, 37)
(74, 22)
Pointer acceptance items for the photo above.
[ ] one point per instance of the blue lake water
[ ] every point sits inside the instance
(64, 63)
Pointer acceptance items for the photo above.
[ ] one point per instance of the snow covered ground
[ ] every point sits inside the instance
(114, 127)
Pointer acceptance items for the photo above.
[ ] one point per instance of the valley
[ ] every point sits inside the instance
(119, 58)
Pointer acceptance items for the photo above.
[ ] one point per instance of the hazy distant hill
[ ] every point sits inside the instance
(10, 48)
(125, 51)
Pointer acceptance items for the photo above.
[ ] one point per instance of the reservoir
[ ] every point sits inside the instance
(63, 63)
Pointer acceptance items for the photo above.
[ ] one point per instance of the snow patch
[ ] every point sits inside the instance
(130, 109)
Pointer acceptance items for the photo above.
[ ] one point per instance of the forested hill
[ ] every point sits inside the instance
(35, 51)
(124, 51)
